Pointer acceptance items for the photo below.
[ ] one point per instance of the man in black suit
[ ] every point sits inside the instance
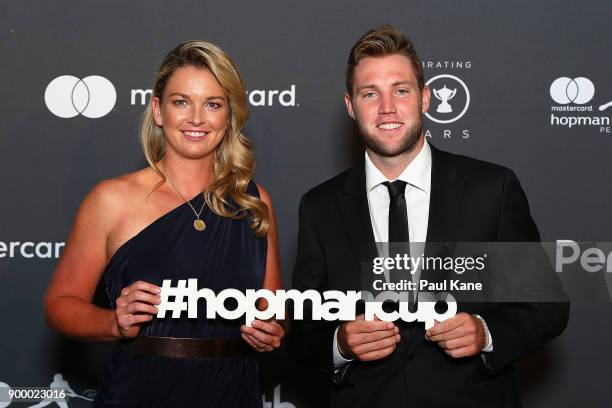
(406, 190)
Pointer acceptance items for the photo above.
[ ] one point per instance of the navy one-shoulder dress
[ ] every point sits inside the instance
(227, 254)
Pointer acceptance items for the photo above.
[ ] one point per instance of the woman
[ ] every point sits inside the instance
(141, 228)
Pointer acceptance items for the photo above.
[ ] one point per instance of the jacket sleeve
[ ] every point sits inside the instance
(518, 328)
(311, 341)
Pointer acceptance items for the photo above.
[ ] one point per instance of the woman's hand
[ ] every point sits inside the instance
(135, 306)
(263, 335)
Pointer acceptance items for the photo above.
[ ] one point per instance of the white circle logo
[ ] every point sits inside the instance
(578, 90)
(5, 399)
(450, 98)
(68, 96)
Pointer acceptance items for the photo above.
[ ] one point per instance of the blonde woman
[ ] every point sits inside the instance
(195, 212)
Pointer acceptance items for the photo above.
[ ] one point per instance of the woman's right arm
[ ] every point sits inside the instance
(68, 301)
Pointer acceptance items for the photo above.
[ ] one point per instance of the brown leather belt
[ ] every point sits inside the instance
(189, 348)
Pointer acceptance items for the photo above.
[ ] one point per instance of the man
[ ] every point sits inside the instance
(407, 190)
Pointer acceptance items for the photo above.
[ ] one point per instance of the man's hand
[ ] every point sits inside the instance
(367, 340)
(460, 336)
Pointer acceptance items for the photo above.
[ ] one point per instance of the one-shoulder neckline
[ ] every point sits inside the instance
(126, 244)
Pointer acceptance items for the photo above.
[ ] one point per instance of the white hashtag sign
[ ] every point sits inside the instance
(178, 293)
(331, 305)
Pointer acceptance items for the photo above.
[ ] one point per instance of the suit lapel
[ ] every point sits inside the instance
(444, 202)
(353, 202)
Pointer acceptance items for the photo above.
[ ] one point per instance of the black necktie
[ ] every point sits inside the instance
(398, 226)
(398, 214)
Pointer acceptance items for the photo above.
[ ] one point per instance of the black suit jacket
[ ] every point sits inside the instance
(471, 201)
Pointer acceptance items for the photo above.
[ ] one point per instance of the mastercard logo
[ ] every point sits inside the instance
(68, 96)
(566, 90)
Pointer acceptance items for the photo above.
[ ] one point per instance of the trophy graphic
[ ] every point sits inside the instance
(444, 95)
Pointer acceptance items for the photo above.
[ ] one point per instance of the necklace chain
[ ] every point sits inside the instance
(197, 213)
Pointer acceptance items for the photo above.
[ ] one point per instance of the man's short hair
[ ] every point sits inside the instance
(381, 42)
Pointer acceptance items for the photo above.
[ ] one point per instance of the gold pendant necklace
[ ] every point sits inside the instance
(198, 223)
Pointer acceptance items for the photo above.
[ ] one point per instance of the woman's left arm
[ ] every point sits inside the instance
(267, 335)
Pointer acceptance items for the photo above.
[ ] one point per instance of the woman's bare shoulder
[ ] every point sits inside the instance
(109, 197)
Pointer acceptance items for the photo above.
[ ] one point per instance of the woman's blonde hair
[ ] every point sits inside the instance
(233, 163)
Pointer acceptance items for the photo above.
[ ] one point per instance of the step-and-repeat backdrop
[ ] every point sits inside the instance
(534, 93)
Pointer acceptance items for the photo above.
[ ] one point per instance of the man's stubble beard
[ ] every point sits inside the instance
(408, 141)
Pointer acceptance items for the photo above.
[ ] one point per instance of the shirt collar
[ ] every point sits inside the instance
(417, 173)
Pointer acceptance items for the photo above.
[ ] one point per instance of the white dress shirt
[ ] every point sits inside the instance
(417, 175)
